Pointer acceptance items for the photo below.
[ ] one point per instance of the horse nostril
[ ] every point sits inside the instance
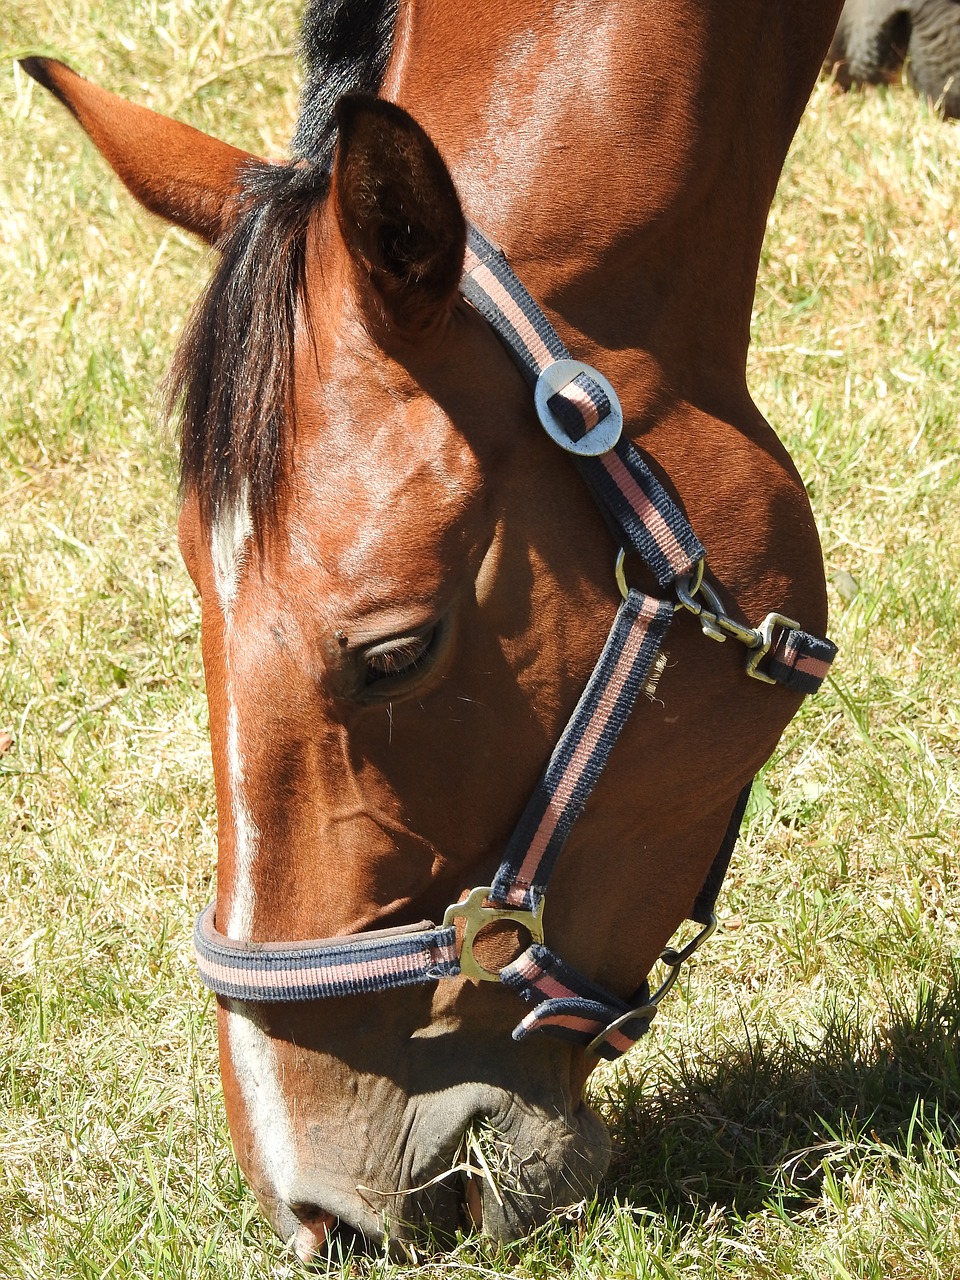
(311, 1235)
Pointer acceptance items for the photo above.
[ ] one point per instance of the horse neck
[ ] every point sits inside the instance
(624, 154)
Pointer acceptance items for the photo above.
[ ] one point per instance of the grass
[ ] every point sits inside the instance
(795, 1110)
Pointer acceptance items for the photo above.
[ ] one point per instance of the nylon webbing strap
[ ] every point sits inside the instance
(491, 285)
(582, 751)
(569, 1006)
(648, 520)
(706, 900)
(312, 970)
(799, 660)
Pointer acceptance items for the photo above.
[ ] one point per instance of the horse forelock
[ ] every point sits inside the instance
(232, 376)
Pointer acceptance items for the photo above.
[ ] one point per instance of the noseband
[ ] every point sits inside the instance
(579, 410)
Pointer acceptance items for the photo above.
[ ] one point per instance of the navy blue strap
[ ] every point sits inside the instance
(583, 750)
(798, 660)
(706, 900)
(569, 1006)
(275, 972)
(647, 519)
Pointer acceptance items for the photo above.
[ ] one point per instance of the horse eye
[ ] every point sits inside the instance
(399, 657)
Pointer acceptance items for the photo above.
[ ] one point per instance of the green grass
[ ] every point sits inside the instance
(795, 1110)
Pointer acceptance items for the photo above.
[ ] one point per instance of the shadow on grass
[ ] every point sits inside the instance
(757, 1118)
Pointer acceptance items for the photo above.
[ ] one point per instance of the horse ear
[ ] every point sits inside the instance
(174, 170)
(398, 211)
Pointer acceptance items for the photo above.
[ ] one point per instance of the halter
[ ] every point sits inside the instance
(579, 410)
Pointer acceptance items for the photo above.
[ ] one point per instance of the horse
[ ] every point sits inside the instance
(874, 37)
(501, 230)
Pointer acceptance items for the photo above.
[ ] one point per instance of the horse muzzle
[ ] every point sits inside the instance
(402, 1149)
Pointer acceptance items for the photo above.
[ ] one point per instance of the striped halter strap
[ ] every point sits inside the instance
(579, 410)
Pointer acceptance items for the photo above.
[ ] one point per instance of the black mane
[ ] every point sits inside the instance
(345, 45)
(232, 374)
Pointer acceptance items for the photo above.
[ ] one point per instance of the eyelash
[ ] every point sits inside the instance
(398, 658)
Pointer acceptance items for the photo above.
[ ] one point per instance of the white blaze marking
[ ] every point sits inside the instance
(254, 1059)
(246, 837)
(232, 527)
(252, 1052)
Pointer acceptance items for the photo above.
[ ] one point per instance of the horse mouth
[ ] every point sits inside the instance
(422, 1224)
(500, 1181)
(313, 1233)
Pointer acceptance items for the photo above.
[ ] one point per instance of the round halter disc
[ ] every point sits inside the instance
(602, 437)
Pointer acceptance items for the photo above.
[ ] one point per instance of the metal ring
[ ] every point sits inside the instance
(688, 586)
(476, 916)
(641, 1011)
(620, 574)
(601, 438)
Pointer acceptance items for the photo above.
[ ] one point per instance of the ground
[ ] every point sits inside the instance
(794, 1112)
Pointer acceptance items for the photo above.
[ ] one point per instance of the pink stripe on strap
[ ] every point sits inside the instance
(517, 894)
(278, 979)
(527, 968)
(491, 286)
(568, 1020)
(811, 666)
(548, 986)
(583, 403)
(645, 510)
(789, 650)
(617, 1040)
(585, 748)
(587, 1026)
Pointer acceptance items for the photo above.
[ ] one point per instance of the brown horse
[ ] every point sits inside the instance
(405, 585)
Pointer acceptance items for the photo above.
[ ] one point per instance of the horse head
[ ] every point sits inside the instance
(405, 587)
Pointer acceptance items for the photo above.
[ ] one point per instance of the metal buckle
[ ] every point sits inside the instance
(714, 620)
(476, 916)
(716, 623)
(602, 437)
(764, 644)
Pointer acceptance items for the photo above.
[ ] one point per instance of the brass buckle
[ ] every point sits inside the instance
(765, 644)
(716, 623)
(476, 916)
